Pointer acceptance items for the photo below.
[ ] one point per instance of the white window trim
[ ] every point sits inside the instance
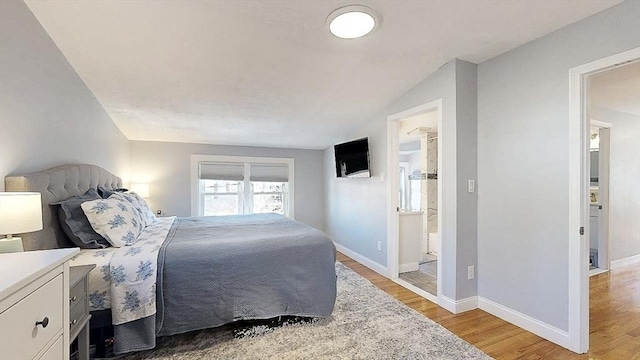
(197, 159)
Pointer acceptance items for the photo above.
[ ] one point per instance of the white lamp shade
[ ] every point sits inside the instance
(141, 189)
(20, 212)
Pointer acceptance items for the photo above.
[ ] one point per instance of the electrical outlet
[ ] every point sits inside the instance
(471, 272)
(379, 245)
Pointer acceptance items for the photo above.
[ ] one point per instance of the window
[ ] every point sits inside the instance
(228, 185)
(269, 197)
(402, 189)
(221, 197)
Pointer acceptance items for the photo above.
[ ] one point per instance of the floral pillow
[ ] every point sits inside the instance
(115, 219)
(141, 206)
(146, 209)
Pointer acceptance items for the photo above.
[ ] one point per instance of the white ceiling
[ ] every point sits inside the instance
(406, 128)
(268, 73)
(410, 130)
(617, 89)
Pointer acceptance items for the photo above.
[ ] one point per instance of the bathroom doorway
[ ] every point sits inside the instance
(418, 200)
(599, 207)
(415, 186)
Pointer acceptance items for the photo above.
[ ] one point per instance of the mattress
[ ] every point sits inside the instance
(216, 270)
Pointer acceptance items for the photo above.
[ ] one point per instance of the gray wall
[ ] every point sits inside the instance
(467, 168)
(624, 184)
(166, 168)
(523, 161)
(356, 209)
(48, 116)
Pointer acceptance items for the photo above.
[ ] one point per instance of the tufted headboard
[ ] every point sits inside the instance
(57, 184)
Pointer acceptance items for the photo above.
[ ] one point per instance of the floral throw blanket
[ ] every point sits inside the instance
(128, 281)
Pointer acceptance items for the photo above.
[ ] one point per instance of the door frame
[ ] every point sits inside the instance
(393, 215)
(578, 191)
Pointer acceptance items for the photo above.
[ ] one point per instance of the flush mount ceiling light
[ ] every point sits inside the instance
(353, 21)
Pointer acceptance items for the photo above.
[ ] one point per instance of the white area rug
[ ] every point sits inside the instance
(367, 323)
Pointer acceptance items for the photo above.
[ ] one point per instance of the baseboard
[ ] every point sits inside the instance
(447, 303)
(375, 266)
(467, 304)
(597, 271)
(408, 267)
(526, 322)
(625, 261)
(459, 306)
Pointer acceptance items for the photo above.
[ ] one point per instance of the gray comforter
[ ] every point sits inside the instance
(216, 270)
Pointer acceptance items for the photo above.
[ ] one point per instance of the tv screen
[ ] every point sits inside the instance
(352, 158)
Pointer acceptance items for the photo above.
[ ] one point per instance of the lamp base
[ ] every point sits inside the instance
(11, 245)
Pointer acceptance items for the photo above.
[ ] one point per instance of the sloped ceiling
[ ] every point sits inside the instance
(268, 73)
(617, 89)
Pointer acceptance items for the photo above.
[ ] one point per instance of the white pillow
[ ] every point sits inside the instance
(142, 207)
(115, 219)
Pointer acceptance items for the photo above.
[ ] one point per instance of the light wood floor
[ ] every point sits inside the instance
(424, 278)
(614, 322)
(425, 282)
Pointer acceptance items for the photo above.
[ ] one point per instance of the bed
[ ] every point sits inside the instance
(210, 271)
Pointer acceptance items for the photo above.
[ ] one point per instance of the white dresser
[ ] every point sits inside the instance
(34, 304)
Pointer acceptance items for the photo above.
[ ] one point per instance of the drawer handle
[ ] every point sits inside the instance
(74, 298)
(44, 322)
(74, 321)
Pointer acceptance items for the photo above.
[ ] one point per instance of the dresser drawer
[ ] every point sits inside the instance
(76, 293)
(18, 323)
(78, 312)
(55, 351)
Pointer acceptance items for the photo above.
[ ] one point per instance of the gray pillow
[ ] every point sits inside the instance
(75, 224)
(105, 193)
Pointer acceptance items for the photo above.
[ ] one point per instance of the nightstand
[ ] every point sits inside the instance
(34, 287)
(79, 308)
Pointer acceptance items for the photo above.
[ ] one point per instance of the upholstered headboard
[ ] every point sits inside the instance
(57, 184)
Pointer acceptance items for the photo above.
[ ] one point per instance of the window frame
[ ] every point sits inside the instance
(246, 200)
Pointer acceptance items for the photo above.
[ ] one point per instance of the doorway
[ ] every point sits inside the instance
(414, 189)
(418, 200)
(599, 207)
(579, 194)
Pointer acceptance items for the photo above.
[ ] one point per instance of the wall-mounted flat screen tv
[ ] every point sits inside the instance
(352, 158)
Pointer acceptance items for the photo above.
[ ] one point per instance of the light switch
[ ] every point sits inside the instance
(472, 186)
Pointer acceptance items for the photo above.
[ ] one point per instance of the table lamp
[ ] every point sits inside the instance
(20, 212)
(141, 189)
